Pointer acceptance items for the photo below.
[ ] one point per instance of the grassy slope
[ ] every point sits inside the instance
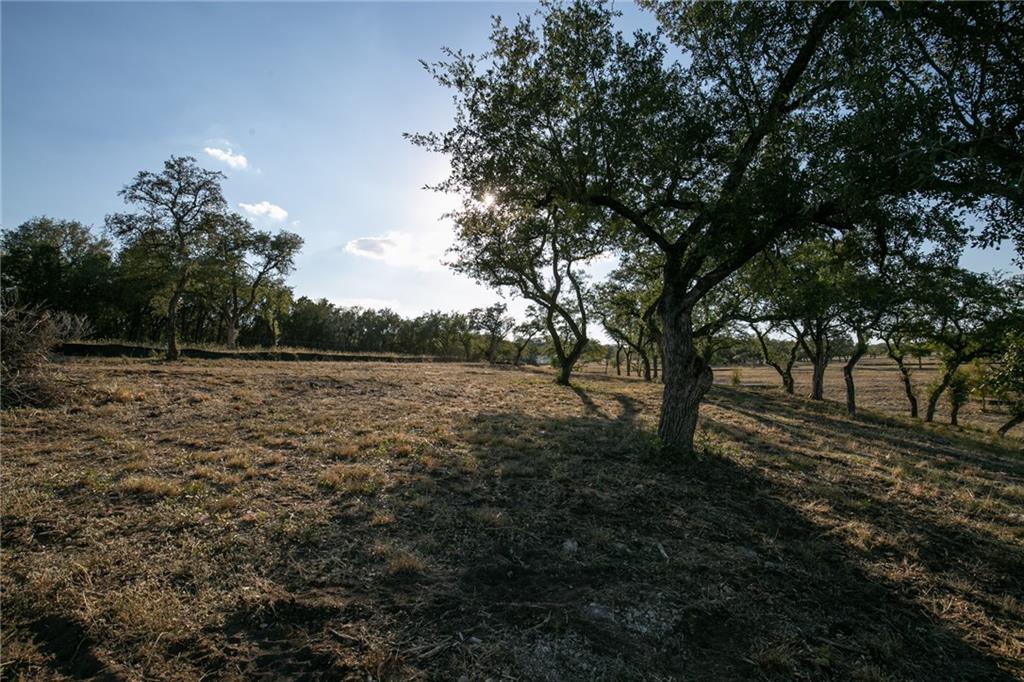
(297, 519)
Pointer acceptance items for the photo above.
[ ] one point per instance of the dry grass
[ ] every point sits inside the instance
(878, 385)
(153, 487)
(391, 521)
(352, 478)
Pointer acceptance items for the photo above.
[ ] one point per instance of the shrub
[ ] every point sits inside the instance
(27, 337)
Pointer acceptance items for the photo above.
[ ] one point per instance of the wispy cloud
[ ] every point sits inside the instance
(400, 250)
(264, 208)
(227, 156)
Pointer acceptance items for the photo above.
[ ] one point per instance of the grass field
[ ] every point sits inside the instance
(879, 388)
(224, 519)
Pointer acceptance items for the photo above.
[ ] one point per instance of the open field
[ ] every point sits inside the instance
(343, 521)
(879, 387)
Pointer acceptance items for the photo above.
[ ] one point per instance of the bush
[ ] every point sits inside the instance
(27, 337)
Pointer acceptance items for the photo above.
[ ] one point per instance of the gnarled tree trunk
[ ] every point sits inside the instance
(172, 317)
(933, 397)
(817, 350)
(785, 372)
(892, 348)
(687, 376)
(851, 391)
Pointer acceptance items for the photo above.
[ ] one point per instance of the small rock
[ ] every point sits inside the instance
(570, 546)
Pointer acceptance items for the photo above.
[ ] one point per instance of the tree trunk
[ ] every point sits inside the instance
(954, 413)
(172, 323)
(785, 372)
(618, 363)
(933, 397)
(646, 362)
(232, 334)
(817, 380)
(1014, 421)
(819, 357)
(654, 360)
(687, 376)
(851, 391)
(275, 332)
(567, 362)
(629, 360)
(908, 386)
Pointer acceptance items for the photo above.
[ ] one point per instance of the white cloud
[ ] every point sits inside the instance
(227, 156)
(403, 249)
(264, 208)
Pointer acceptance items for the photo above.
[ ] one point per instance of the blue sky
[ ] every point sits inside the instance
(303, 105)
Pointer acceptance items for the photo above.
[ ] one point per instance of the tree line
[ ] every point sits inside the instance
(165, 275)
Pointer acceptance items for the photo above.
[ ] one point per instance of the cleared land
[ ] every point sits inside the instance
(229, 518)
(879, 388)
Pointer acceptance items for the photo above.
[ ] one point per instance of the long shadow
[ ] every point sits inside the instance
(565, 548)
(823, 419)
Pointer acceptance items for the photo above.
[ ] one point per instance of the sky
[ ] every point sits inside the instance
(302, 105)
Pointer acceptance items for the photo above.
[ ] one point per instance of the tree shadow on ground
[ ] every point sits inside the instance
(566, 548)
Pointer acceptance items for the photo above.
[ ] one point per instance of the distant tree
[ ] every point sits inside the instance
(904, 317)
(973, 323)
(460, 328)
(895, 331)
(59, 265)
(801, 288)
(272, 307)
(531, 252)
(179, 214)
(247, 260)
(778, 354)
(1006, 381)
(627, 305)
(527, 330)
(494, 324)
